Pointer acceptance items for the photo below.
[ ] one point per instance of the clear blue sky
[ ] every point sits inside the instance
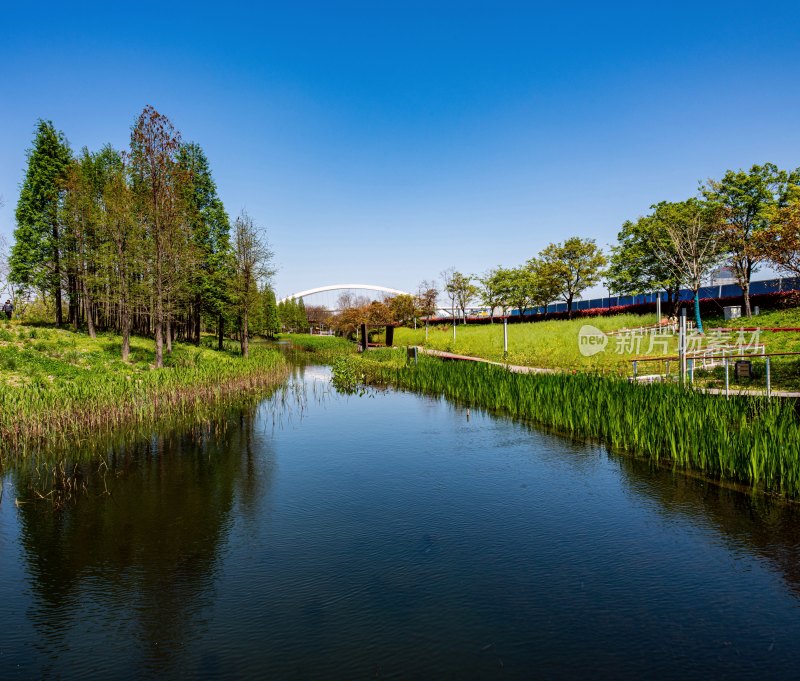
(382, 142)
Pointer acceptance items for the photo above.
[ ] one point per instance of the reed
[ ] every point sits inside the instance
(328, 345)
(73, 405)
(745, 440)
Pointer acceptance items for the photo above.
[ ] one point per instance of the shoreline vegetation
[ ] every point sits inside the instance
(554, 345)
(62, 389)
(744, 440)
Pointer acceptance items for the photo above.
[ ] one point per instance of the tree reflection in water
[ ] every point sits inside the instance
(143, 535)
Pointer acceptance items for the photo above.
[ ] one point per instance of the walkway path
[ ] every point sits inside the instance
(467, 358)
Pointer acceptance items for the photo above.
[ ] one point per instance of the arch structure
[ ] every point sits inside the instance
(344, 287)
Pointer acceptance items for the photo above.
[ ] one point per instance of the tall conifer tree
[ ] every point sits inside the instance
(210, 232)
(36, 257)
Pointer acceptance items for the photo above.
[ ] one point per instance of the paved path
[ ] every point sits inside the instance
(467, 358)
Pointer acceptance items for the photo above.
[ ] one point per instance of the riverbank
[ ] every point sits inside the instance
(609, 344)
(60, 388)
(751, 441)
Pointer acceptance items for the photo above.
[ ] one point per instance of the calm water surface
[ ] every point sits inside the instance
(388, 536)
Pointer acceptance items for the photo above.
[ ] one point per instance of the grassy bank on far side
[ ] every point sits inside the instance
(59, 387)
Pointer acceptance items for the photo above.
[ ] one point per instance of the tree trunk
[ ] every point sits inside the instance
(245, 340)
(746, 296)
(197, 323)
(674, 298)
(72, 288)
(125, 324)
(697, 318)
(87, 304)
(159, 344)
(169, 335)
(57, 277)
(221, 333)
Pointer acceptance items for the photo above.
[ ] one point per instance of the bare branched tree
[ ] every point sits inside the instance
(253, 268)
(695, 245)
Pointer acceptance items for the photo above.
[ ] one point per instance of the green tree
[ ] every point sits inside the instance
(495, 290)
(158, 187)
(122, 244)
(635, 267)
(520, 289)
(287, 311)
(272, 322)
(35, 256)
(82, 214)
(576, 264)
(545, 283)
(210, 233)
(403, 308)
(747, 200)
(302, 318)
(461, 291)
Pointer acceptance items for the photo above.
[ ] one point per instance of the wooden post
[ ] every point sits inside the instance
(389, 336)
(363, 337)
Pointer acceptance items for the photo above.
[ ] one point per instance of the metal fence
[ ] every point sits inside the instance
(719, 291)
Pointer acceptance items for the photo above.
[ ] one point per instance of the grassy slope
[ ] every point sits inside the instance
(548, 344)
(554, 344)
(57, 386)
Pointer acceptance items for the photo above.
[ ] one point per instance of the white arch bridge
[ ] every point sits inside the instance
(344, 287)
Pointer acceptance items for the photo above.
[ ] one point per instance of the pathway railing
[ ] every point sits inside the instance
(741, 362)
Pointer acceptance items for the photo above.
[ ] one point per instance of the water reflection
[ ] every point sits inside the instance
(143, 536)
(753, 524)
(342, 537)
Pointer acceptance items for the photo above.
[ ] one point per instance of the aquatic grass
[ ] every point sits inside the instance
(321, 344)
(50, 401)
(744, 439)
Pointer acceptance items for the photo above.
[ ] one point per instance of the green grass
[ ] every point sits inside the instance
(554, 345)
(548, 344)
(61, 388)
(320, 344)
(744, 440)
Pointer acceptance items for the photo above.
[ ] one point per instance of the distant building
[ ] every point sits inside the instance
(723, 276)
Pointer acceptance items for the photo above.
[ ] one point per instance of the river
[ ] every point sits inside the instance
(391, 536)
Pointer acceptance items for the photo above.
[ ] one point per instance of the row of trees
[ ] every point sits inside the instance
(292, 316)
(560, 271)
(402, 309)
(742, 221)
(138, 240)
